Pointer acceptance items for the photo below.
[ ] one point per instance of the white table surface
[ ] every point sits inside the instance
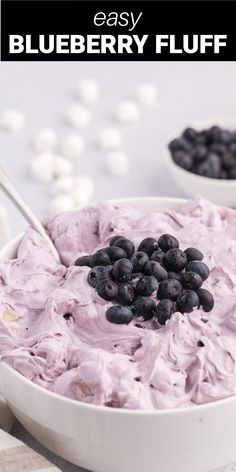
(187, 92)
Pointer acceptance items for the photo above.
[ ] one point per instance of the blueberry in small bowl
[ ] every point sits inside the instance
(202, 160)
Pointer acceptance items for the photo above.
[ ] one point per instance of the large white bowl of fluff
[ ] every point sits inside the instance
(85, 402)
(214, 177)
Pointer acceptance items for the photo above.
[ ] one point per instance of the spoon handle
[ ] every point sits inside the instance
(9, 189)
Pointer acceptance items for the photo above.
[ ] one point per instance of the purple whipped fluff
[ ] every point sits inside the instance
(191, 360)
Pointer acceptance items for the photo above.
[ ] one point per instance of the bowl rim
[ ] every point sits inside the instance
(175, 411)
(198, 124)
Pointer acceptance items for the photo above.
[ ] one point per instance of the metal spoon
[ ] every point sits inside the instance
(9, 189)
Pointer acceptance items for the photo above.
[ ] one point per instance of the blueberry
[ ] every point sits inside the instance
(225, 136)
(223, 174)
(100, 258)
(203, 169)
(170, 289)
(167, 241)
(207, 134)
(218, 148)
(214, 159)
(126, 294)
(114, 239)
(187, 301)
(93, 277)
(193, 254)
(146, 285)
(139, 260)
(175, 260)
(122, 270)
(155, 269)
(206, 299)
(107, 289)
(210, 167)
(232, 147)
(125, 244)
(199, 267)
(145, 306)
(179, 144)
(175, 145)
(158, 256)
(148, 245)
(199, 153)
(202, 138)
(98, 273)
(174, 275)
(232, 173)
(215, 133)
(83, 261)
(189, 134)
(183, 159)
(214, 162)
(191, 280)
(164, 310)
(119, 314)
(115, 253)
(228, 160)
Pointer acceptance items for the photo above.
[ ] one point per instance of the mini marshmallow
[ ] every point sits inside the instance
(127, 112)
(117, 164)
(109, 139)
(73, 146)
(42, 167)
(78, 116)
(87, 91)
(12, 119)
(60, 204)
(45, 140)
(146, 94)
(63, 185)
(83, 190)
(61, 166)
(79, 189)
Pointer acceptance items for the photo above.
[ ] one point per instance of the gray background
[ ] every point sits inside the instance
(187, 92)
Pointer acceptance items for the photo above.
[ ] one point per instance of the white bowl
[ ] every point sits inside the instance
(101, 439)
(221, 192)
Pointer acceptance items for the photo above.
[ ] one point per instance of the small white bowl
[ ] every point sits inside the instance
(101, 439)
(221, 192)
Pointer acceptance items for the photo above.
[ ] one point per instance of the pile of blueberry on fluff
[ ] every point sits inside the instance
(209, 153)
(154, 281)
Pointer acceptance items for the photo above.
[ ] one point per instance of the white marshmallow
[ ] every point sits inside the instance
(127, 112)
(83, 190)
(110, 138)
(42, 167)
(78, 116)
(80, 189)
(61, 203)
(117, 164)
(63, 185)
(47, 166)
(73, 146)
(61, 166)
(146, 94)
(45, 140)
(87, 91)
(12, 119)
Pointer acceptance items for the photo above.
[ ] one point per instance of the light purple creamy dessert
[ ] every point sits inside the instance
(54, 329)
